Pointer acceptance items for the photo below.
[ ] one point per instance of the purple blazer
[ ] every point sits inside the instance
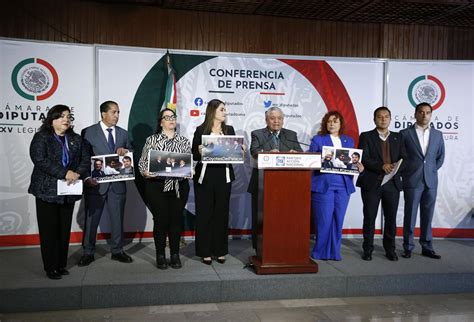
(320, 182)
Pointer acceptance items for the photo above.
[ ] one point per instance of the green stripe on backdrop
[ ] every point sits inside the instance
(147, 103)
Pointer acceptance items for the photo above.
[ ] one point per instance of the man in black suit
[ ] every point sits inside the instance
(102, 138)
(355, 157)
(98, 172)
(382, 149)
(272, 138)
(157, 164)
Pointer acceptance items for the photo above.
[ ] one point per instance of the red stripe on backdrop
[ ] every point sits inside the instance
(333, 92)
(76, 237)
(55, 79)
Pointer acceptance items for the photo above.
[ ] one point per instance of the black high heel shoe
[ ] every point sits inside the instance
(220, 260)
(207, 261)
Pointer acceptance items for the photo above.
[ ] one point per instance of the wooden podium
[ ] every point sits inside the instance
(284, 215)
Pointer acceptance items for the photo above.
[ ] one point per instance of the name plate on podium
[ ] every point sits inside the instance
(289, 161)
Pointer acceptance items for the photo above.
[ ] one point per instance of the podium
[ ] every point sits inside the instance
(284, 213)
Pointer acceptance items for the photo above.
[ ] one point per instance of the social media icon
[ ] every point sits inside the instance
(267, 104)
(194, 112)
(198, 101)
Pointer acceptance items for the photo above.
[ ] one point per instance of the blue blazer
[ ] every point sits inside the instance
(320, 182)
(96, 144)
(417, 166)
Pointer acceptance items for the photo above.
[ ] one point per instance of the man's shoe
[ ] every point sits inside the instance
(175, 262)
(367, 256)
(391, 256)
(406, 254)
(122, 257)
(85, 260)
(63, 271)
(161, 262)
(53, 275)
(430, 254)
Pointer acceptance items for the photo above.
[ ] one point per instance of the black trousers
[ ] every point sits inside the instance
(389, 195)
(54, 223)
(212, 213)
(167, 211)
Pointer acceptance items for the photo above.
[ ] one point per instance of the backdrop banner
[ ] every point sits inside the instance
(35, 76)
(38, 75)
(448, 87)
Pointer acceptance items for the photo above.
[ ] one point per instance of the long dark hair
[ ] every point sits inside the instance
(323, 130)
(210, 114)
(160, 116)
(53, 114)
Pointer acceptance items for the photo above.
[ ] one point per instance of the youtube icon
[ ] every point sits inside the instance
(194, 112)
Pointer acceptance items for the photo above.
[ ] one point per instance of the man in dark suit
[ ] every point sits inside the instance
(102, 138)
(382, 149)
(157, 164)
(355, 157)
(272, 138)
(127, 165)
(423, 155)
(98, 172)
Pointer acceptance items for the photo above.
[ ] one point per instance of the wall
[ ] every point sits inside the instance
(148, 26)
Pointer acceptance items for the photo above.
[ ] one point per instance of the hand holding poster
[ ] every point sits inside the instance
(170, 164)
(112, 167)
(223, 149)
(340, 160)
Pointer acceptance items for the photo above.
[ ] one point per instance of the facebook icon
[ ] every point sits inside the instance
(198, 101)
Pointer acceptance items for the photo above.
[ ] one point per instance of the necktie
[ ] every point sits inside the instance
(276, 141)
(110, 141)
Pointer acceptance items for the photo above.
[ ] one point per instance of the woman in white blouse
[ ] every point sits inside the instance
(212, 187)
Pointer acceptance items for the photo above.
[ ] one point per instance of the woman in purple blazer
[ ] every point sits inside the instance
(330, 193)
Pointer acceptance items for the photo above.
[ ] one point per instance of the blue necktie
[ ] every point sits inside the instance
(276, 141)
(110, 141)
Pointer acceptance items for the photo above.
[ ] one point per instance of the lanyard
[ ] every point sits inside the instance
(65, 147)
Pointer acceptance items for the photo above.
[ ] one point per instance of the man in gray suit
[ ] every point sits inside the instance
(102, 138)
(272, 138)
(423, 155)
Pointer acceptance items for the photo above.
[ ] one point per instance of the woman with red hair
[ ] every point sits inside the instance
(330, 193)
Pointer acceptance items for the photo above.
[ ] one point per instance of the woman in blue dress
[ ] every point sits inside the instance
(330, 193)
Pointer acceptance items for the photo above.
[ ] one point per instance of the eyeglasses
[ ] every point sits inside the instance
(169, 118)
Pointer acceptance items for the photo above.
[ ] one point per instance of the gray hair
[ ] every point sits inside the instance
(273, 109)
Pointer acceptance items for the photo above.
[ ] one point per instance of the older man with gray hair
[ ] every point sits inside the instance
(272, 138)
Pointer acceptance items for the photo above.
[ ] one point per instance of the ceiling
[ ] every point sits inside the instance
(454, 13)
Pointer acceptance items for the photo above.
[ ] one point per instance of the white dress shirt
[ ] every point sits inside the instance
(106, 133)
(423, 137)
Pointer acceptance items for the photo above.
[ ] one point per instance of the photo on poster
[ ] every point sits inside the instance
(112, 167)
(170, 164)
(340, 160)
(222, 149)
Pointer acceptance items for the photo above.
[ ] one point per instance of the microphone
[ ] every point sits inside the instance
(305, 144)
(293, 141)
